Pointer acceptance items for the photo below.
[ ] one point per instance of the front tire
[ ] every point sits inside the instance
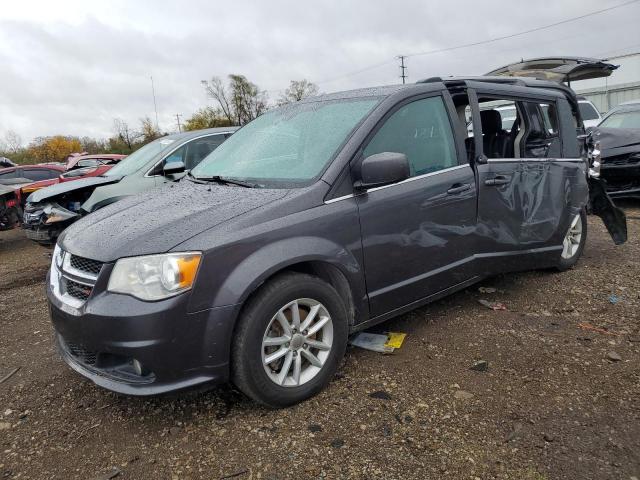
(289, 341)
(573, 242)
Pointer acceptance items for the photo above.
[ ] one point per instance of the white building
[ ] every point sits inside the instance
(623, 84)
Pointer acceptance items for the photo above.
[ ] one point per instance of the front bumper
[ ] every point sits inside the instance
(33, 223)
(622, 177)
(141, 348)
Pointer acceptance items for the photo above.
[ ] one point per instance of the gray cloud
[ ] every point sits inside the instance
(74, 76)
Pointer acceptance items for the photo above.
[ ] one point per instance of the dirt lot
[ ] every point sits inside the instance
(560, 398)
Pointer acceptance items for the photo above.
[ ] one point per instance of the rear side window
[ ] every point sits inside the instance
(541, 137)
(587, 112)
(37, 174)
(422, 131)
(8, 175)
(192, 153)
(90, 162)
(200, 148)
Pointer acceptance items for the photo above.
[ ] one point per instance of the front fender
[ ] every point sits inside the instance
(257, 267)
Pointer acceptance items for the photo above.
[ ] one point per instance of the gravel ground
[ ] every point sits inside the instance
(560, 397)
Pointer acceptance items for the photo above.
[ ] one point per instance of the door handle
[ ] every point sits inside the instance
(458, 188)
(498, 180)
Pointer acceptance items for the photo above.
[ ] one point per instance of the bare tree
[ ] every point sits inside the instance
(298, 89)
(241, 101)
(12, 141)
(125, 133)
(216, 90)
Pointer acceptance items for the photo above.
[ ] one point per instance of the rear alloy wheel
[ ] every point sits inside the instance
(573, 242)
(289, 340)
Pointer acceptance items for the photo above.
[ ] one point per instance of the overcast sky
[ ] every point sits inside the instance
(70, 67)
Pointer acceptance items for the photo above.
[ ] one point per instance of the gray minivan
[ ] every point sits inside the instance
(314, 221)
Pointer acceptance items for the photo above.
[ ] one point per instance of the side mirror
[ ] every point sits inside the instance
(172, 168)
(383, 169)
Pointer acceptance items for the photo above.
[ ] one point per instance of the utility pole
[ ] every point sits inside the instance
(155, 106)
(403, 75)
(178, 120)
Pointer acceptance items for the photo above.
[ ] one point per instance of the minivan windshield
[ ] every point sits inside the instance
(139, 158)
(290, 146)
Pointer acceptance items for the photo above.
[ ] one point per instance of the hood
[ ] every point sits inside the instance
(66, 187)
(558, 69)
(156, 221)
(617, 141)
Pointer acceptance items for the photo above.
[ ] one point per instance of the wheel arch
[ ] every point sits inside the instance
(315, 256)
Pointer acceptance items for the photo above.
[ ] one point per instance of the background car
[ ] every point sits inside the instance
(76, 168)
(589, 113)
(99, 160)
(619, 136)
(18, 177)
(30, 173)
(10, 211)
(50, 210)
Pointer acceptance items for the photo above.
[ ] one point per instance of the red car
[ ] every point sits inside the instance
(26, 179)
(81, 166)
(21, 176)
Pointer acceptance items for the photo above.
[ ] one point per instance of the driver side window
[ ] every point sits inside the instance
(422, 131)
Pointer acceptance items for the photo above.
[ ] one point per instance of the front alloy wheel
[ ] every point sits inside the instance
(297, 342)
(290, 339)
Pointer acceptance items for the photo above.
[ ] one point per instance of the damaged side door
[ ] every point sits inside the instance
(566, 70)
(531, 183)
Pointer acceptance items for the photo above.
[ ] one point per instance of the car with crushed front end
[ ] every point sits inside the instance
(314, 221)
(50, 210)
(618, 144)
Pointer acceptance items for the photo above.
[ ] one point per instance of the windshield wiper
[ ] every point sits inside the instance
(223, 180)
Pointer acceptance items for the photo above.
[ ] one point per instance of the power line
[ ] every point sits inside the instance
(525, 32)
(362, 70)
(482, 42)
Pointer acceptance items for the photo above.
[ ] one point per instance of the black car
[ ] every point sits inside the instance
(618, 139)
(316, 220)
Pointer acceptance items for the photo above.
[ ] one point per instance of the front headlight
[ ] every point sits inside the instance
(154, 277)
(57, 257)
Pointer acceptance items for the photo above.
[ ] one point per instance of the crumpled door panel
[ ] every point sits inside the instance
(534, 207)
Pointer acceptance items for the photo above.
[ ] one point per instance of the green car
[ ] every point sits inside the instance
(50, 210)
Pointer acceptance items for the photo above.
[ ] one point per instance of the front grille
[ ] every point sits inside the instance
(86, 264)
(76, 290)
(88, 357)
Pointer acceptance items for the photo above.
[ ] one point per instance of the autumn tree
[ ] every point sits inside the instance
(298, 90)
(54, 149)
(149, 131)
(207, 117)
(240, 101)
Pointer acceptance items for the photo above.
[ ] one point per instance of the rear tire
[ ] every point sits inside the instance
(574, 241)
(301, 323)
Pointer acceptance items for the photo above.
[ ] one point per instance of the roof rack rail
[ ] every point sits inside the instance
(430, 80)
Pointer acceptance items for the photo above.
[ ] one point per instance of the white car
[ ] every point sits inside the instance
(589, 113)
